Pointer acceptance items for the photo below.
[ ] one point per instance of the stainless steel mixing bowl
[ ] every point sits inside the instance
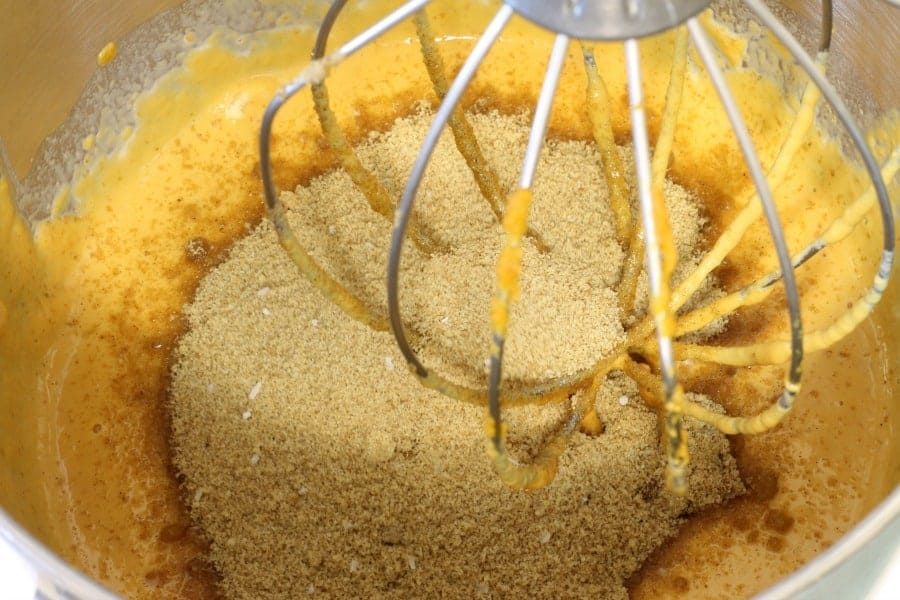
(48, 52)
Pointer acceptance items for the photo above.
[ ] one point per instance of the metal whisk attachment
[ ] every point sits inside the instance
(590, 21)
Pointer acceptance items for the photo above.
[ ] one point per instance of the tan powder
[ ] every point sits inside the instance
(317, 464)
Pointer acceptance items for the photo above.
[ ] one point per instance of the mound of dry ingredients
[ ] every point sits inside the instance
(316, 463)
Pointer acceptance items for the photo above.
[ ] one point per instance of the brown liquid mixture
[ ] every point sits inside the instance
(92, 310)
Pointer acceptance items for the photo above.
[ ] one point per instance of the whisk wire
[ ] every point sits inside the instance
(843, 113)
(704, 48)
(515, 224)
(659, 260)
(760, 289)
(315, 73)
(404, 209)
(774, 352)
(752, 207)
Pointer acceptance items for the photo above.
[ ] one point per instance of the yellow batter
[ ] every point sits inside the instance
(90, 302)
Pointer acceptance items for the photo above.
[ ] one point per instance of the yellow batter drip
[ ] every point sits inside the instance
(378, 197)
(598, 110)
(89, 302)
(752, 206)
(839, 229)
(331, 289)
(463, 134)
(509, 265)
(107, 54)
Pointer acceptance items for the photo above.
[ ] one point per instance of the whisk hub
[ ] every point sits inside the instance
(608, 20)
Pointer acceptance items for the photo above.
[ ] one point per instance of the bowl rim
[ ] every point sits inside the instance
(820, 573)
(52, 573)
(53, 577)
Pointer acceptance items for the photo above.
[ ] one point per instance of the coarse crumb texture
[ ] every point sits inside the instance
(316, 463)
